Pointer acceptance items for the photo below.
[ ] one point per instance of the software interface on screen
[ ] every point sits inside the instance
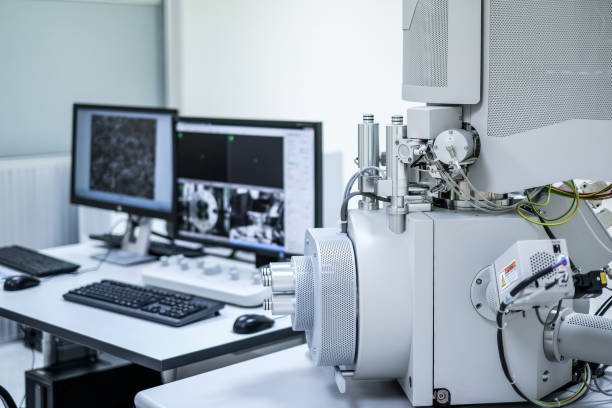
(124, 158)
(248, 186)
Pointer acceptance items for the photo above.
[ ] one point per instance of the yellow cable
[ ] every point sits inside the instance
(553, 224)
(555, 403)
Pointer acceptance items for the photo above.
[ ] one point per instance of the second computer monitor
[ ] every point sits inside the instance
(252, 185)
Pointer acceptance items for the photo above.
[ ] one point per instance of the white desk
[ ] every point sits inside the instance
(279, 380)
(289, 379)
(146, 343)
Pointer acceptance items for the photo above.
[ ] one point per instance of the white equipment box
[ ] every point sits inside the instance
(527, 258)
(221, 279)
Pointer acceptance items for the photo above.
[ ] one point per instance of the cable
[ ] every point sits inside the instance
(354, 177)
(528, 281)
(599, 389)
(503, 208)
(344, 207)
(164, 236)
(584, 387)
(582, 390)
(537, 312)
(604, 308)
(107, 254)
(575, 206)
(586, 196)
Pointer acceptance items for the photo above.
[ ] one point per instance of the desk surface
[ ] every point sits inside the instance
(149, 344)
(289, 379)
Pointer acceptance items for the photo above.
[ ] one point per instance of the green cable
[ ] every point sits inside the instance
(539, 214)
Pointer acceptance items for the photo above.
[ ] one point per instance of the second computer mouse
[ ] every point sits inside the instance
(252, 323)
(19, 282)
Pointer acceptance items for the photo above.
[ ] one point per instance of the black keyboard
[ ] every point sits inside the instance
(156, 248)
(33, 262)
(158, 305)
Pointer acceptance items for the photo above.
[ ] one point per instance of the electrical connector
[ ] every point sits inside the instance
(589, 285)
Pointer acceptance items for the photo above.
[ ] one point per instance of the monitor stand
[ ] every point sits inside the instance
(134, 247)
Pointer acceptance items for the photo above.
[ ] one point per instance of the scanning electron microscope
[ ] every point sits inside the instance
(467, 269)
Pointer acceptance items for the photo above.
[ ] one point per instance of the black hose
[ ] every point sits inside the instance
(6, 398)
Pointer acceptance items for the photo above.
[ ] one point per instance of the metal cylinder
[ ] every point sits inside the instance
(586, 337)
(282, 277)
(280, 305)
(397, 172)
(368, 156)
(579, 336)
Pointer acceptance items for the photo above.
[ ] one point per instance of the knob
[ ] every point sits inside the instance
(212, 270)
(200, 264)
(179, 258)
(234, 274)
(165, 261)
(184, 265)
(256, 278)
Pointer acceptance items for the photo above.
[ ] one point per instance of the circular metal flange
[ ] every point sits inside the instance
(478, 294)
(551, 334)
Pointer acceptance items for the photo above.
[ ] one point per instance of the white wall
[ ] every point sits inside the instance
(328, 60)
(54, 53)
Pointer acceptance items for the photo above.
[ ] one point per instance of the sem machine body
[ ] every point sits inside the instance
(518, 96)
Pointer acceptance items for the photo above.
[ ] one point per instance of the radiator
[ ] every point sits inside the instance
(35, 208)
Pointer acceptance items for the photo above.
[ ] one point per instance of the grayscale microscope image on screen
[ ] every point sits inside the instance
(125, 140)
(124, 159)
(246, 186)
(241, 214)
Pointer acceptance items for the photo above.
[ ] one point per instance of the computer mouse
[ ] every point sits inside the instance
(252, 323)
(19, 282)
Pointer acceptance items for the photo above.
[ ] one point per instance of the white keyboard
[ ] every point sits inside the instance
(225, 280)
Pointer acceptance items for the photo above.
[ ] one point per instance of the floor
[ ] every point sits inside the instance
(15, 359)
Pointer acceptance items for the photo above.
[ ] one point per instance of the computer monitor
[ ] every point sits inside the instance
(248, 184)
(123, 159)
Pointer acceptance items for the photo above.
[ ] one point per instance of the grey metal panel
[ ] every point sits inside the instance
(418, 381)
(546, 100)
(465, 352)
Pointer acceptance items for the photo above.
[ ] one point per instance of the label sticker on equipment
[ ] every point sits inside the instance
(508, 276)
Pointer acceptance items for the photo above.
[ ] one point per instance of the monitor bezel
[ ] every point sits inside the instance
(132, 210)
(281, 124)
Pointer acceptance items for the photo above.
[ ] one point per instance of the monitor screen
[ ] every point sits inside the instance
(123, 159)
(248, 184)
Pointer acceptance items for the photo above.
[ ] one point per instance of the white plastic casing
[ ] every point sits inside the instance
(442, 40)
(525, 259)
